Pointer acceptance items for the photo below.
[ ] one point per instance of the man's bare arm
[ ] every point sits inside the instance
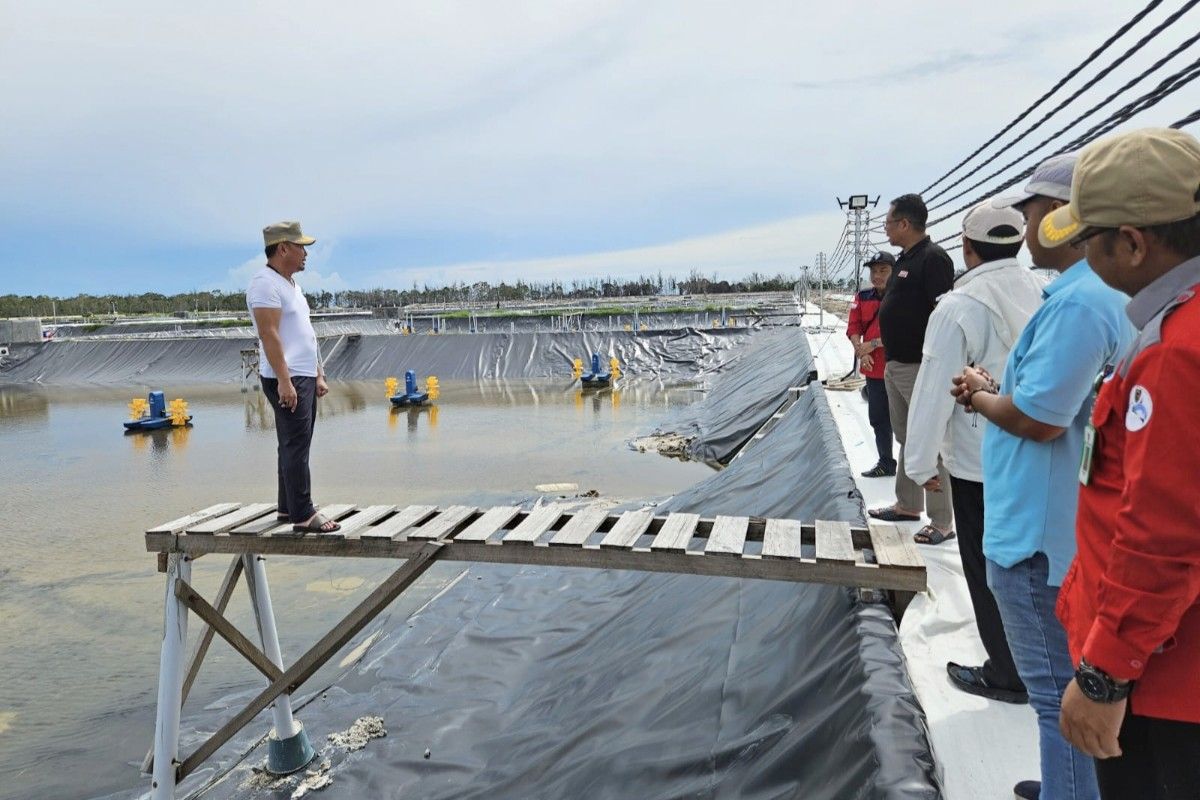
(267, 322)
(975, 389)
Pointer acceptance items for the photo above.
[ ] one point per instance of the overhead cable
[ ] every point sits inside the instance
(1188, 120)
(1138, 17)
(1165, 88)
(1153, 34)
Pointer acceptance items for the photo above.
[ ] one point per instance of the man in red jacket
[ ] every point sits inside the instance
(863, 330)
(1130, 603)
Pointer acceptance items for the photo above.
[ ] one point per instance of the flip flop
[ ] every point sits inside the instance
(931, 535)
(971, 680)
(318, 523)
(890, 514)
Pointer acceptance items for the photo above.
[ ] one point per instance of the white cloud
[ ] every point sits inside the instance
(312, 279)
(771, 248)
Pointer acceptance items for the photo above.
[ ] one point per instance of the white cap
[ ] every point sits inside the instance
(1051, 178)
(993, 223)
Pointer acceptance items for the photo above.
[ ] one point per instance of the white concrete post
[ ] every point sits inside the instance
(264, 615)
(170, 680)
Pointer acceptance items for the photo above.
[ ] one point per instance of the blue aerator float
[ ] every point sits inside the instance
(154, 414)
(411, 396)
(596, 378)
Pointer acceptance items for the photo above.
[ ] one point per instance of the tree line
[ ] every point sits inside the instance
(481, 292)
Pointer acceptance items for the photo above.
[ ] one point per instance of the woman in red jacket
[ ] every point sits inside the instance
(863, 330)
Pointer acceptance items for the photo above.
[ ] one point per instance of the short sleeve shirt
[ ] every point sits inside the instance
(1030, 488)
(269, 289)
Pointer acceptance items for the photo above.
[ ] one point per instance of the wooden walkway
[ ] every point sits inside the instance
(743, 547)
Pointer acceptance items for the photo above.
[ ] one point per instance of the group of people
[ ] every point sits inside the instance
(1050, 423)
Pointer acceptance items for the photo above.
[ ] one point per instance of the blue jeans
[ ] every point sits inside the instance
(1039, 647)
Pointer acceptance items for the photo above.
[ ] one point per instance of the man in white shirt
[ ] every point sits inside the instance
(290, 366)
(977, 323)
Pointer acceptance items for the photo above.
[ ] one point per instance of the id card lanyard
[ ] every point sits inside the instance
(1088, 458)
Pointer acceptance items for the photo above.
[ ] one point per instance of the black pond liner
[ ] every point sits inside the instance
(686, 353)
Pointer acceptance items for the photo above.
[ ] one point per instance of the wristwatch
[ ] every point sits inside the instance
(1098, 685)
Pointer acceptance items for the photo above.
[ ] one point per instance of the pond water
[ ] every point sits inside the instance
(81, 602)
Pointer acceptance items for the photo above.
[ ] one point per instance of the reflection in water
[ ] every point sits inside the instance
(160, 441)
(17, 402)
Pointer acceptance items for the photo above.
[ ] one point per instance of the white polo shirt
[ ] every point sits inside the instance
(269, 289)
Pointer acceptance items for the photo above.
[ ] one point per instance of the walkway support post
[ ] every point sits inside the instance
(288, 748)
(170, 680)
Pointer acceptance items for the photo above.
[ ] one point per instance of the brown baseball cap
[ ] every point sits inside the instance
(1141, 178)
(287, 231)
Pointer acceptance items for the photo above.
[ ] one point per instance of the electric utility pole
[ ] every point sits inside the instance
(857, 208)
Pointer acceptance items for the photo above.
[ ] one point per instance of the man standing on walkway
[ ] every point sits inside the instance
(1131, 601)
(863, 330)
(1032, 447)
(977, 323)
(290, 365)
(922, 274)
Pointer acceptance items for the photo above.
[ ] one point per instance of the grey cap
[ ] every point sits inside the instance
(1052, 178)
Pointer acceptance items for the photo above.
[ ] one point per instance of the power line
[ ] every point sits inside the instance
(1153, 34)
(1165, 88)
(1188, 120)
(1138, 17)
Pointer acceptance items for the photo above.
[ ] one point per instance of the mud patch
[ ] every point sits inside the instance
(671, 445)
(357, 735)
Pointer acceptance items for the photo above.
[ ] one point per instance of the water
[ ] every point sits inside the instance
(81, 602)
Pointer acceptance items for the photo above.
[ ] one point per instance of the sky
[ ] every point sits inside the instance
(143, 145)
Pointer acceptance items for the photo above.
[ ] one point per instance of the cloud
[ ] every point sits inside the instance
(312, 279)
(781, 246)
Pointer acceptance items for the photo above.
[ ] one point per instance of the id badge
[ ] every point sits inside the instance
(1089, 453)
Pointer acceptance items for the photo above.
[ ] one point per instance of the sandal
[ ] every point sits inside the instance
(317, 523)
(890, 514)
(971, 680)
(931, 535)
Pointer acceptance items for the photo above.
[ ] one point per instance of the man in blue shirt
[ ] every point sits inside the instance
(1031, 456)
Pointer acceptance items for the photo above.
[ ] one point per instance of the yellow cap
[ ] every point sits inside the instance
(287, 231)
(1141, 178)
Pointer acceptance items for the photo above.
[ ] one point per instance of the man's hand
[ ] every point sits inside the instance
(862, 349)
(867, 361)
(287, 395)
(1090, 726)
(972, 379)
(322, 386)
(934, 484)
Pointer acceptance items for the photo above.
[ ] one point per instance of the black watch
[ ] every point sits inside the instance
(1098, 685)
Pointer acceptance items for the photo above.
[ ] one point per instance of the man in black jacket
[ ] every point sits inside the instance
(922, 274)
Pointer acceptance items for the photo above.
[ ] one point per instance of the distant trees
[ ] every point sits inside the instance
(477, 293)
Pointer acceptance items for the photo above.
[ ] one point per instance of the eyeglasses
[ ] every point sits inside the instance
(1090, 233)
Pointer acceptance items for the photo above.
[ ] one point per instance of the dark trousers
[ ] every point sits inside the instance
(1160, 760)
(294, 431)
(880, 419)
(999, 669)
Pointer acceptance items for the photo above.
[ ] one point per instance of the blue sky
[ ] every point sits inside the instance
(144, 146)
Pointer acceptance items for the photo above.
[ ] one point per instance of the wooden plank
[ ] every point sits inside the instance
(580, 527)
(782, 539)
(257, 527)
(224, 627)
(177, 525)
(320, 652)
(629, 527)
(397, 525)
(538, 522)
(843, 573)
(334, 511)
(892, 549)
(676, 532)
(352, 526)
(492, 520)
(727, 537)
(443, 524)
(834, 542)
(227, 522)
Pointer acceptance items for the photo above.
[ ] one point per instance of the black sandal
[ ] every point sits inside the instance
(890, 514)
(931, 535)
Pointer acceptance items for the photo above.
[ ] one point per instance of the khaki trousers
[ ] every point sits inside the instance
(899, 379)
